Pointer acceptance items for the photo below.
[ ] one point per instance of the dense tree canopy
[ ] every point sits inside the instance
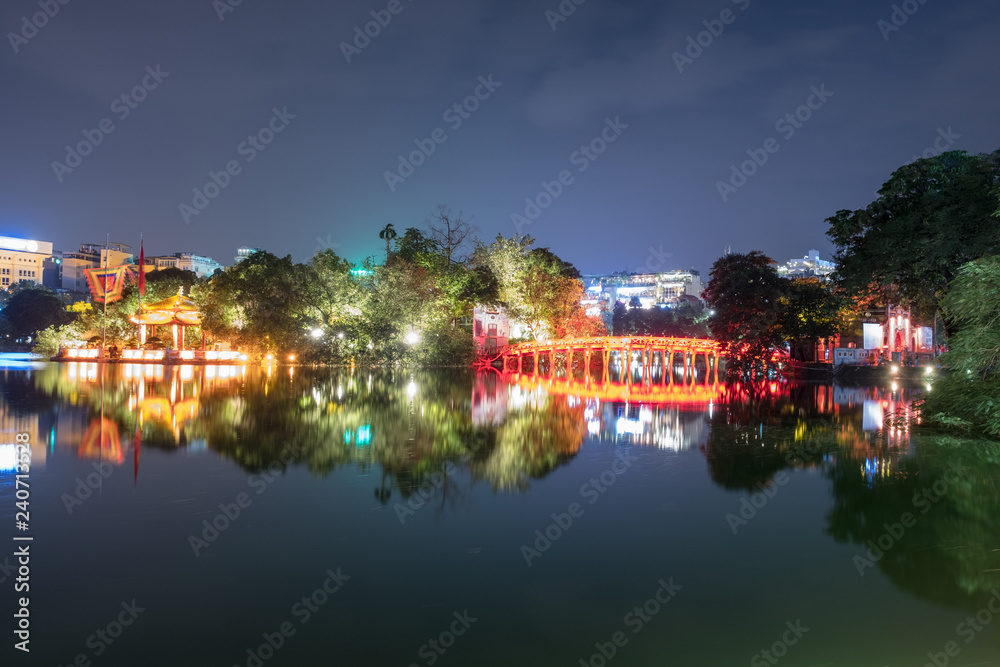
(31, 310)
(746, 291)
(930, 218)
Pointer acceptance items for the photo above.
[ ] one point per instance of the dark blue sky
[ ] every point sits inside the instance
(322, 180)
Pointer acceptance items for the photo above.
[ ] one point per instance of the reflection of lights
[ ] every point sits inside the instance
(630, 426)
(411, 389)
(895, 386)
(928, 386)
(8, 458)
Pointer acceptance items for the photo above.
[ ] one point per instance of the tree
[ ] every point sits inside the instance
(811, 312)
(931, 217)
(31, 310)
(262, 303)
(387, 234)
(746, 291)
(451, 233)
(970, 395)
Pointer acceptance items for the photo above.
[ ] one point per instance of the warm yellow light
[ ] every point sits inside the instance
(291, 357)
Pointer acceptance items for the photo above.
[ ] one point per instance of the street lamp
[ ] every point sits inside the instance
(316, 333)
(412, 337)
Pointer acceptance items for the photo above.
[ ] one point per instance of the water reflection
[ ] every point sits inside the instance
(406, 428)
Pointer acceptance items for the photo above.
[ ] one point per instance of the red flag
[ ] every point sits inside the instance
(142, 270)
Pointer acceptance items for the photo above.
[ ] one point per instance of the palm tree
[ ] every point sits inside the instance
(389, 233)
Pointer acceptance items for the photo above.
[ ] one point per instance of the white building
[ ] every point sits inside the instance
(810, 266)
(185, 261)
(652, 289)
(22, 260)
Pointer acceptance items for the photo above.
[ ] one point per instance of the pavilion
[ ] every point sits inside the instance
(177, 312)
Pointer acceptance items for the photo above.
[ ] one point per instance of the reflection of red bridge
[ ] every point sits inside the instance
(645, 360)
(616, 392)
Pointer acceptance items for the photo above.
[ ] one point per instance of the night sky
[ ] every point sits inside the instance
(881, 93)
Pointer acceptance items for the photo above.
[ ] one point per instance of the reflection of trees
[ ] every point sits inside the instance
(410, 426)
(951, 555)
(758, 431)
(532, 443)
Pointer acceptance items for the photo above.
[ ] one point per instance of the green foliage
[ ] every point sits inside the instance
(49, 340)
(931, 217)
(812, 310)
(685, 320)
(32, 309)
(970, 396)
(746, 293)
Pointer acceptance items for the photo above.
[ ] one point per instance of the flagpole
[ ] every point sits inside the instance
(104, 323)
(141, 286)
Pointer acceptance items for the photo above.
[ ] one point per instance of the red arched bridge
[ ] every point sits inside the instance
(646, 360)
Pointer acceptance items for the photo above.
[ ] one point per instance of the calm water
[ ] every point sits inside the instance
(461, 520)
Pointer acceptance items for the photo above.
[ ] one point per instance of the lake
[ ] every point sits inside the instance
(295, 516)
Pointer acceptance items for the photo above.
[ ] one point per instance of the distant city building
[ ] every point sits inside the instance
(244, 252)
(22, 261)
(92, 256)
(664, 289)
(810, 266)
(185, 261)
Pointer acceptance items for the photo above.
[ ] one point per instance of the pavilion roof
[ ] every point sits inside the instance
(175, 303)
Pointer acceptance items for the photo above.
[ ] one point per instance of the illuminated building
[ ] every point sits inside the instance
(810, 266)
(652, 289)
(22, 260)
